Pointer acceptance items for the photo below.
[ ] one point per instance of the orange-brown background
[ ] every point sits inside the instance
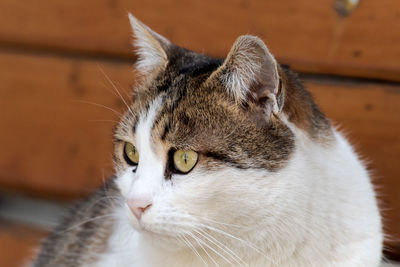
(55, 57)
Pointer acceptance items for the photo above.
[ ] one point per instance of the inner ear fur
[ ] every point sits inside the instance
(250, 74)
(150, 47)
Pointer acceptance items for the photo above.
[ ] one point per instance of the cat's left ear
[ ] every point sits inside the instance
(150, 47)
(250, 74)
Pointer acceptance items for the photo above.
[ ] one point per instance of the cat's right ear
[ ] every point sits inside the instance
(250, 75)
(150, 47)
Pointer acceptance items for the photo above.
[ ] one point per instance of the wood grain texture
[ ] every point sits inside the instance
(52, 144)
(308, 35)
(55, 133)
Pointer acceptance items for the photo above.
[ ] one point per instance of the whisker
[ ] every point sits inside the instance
(99, 105)
(224, 248)
(236, 238)
(123, 90)
(116, 90)
(202, 241)
(194, 249)
(201, 246)
(199, 226)
(216, 252)
(109, 90)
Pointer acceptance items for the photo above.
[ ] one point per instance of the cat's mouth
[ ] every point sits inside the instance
(157, 230)
(161, 237)
(152, 229)
(138, 225)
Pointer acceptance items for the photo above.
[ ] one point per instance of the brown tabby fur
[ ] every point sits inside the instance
(81, 236)
(196, 113)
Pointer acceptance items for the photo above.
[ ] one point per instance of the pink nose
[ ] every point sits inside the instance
(138, 206)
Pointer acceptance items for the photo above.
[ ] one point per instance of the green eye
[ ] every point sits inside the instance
(185, 160)
(131, 154)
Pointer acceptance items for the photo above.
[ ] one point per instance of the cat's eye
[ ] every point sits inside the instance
(185, 160)
(131, 155)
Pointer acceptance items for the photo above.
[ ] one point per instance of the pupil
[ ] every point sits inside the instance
(185, 158)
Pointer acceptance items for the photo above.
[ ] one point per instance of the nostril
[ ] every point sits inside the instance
(145, 208)
(138, 206)
(142, 210)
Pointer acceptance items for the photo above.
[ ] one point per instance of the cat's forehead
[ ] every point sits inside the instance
(177, 85)
(190, 113)
(187, 109)
(189, 63)
(184, 73)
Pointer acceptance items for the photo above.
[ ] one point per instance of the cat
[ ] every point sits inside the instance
(222, 162)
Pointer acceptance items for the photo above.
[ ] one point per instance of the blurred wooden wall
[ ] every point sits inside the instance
(56, 100)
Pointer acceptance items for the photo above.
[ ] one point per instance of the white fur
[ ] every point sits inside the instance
(320, 210)
(245, 62)
(148, 44)
(146, 181)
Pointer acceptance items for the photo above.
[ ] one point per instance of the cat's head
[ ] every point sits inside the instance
(201, 149)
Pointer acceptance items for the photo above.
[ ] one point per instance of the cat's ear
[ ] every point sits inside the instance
(150, 47)
(250, 73)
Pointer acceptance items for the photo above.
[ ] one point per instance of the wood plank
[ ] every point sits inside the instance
(20, 243)
(311, 37)
(54, 140)
(52, 147)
